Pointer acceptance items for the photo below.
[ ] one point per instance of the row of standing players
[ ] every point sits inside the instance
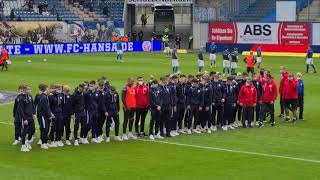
(178, 105)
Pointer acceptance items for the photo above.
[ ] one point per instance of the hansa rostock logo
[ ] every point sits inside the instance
(146, 46)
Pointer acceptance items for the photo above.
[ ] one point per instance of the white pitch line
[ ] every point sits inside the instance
(7, 123)
(4, 104)
(233, 151)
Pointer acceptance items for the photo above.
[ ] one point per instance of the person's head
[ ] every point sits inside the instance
(248, 82)
(211, 74)
(28, 88)
(190, 77)
(195, 83)
(86, 84)
(251, 52)
(182, 79)
(262, 70)
(299, 76)
(81, 87)
(112, 89)
(174, 79)
(43, 88)
(151, 78)
(154, 83)
(268, 78)
(58, 88)
(20, 88)
(282, 69)
(164, 80)
(130, 81)
(245, 75)
(92, 85)
(53, 88)
(25, 89)
(229, 80)
(215, 78)
(290, 77)
(205, 79)
(254, 76)
(66, 89)
(140, 81)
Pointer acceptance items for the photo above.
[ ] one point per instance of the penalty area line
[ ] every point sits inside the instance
(233, 151)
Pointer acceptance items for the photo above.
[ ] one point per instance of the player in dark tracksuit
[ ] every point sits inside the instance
(217, 102)
(230, 103)
(181, 90)
(257, 84)
(66, 113)
(300, 95)
(194, 105)
(55, 100)
(80, 115)
(155, 101)
(17, 116)
(113, 108)
(187, 86)
(91, 99)
(166, 108)
(207, 103)
(27, 111)
(172, 85)
(44, 114)
(102, 111)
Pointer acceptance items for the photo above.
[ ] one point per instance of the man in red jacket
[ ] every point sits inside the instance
(269, 95)
(142, 105)
(284, 76)
(247, 100)
(290, 97)
(4, 58)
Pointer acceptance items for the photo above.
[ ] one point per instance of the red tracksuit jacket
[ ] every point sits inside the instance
(269, 92)
(247, 96)
(142, 99)
(283, 78)
(290, 89)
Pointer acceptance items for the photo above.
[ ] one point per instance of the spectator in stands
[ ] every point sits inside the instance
(144, 19)
(1, 4)
(40, 7)
(178, 41)
(1, 16)
(105, 10)
(91, 6)
(134, 36)
(53, 10)
(58, 17)
(45, 5)
(140, 34)
(81, 2)
(190, 42)
(12, 14)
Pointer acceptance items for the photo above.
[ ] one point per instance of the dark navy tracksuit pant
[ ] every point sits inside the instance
(80, 119)
(115, 117)
(193, 114)
(166, 113)
(56, 128)
(155, 121)
(17, 127)
(27, 129)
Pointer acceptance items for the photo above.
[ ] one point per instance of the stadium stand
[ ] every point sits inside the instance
(64, 10)
(310, 13)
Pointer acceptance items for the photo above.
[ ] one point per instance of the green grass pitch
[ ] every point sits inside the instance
(287, 151)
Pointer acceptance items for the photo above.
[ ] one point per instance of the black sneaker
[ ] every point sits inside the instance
(272, 124)
(260, 125)
(294, 121)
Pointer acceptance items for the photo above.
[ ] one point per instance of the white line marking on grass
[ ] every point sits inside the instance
(234, 151)
(6, 123)
(4, 104)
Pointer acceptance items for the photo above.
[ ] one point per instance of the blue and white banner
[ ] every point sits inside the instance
(71, 48)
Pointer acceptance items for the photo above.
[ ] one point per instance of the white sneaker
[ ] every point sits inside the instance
(52, 145)
(257, 123)
(39, 142)
(181, 131)
(214, 128)
(33, 138)
(28, 144)
(151, 137)
(125, 137)
(195, 131)
(209, 131)
(44, 146)
(225, 128)
(172, 134)
(16, 142)
(76, 142)
(94, 141)
(118, 138)
(189, 131)
(158, 136)
(131, 136)
(231, 127)
(252, 123)
(68, 143)
(24, 148)
(107, 139)
(85, 141)
(60, 144)
(176, 132)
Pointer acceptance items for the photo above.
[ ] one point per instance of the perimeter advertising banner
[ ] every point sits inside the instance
(71, 48)
(260, 33)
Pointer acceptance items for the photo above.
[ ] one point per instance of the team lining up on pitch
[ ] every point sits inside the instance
(178, 105)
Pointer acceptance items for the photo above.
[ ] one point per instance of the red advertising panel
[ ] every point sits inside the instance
(294, 33)
(221, 32)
